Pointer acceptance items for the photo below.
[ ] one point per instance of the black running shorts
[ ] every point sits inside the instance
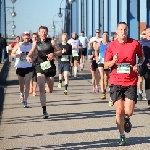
(121, 92)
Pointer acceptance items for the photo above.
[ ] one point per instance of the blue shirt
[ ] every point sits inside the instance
(84, 41)
(102, 51)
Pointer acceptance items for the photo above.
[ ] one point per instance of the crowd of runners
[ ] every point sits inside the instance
(121, 64)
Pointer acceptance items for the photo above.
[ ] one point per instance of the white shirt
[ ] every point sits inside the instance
(95, 39)
(75, 45)
(21, 62)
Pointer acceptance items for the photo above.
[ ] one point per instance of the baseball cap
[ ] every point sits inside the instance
(26, 33)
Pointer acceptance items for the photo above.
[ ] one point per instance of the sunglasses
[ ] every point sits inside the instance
(143, 34)
(97, 32)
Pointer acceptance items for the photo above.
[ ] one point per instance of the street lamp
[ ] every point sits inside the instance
(60, 13)
(70, 1)
(13, 26)
(13, 14)
(13, 1)
(53, 26)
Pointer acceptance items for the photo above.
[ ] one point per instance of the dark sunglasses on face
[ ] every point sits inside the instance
(97, 32)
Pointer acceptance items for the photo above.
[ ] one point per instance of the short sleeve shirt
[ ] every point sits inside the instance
(126, 54)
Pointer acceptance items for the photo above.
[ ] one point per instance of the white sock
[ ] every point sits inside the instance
(75, 71)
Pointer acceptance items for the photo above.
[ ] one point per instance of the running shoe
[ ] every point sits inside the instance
(97, 90)
(122, 141)
(65, 92)
(25, 105)
(127, 125)
(93, 90)
(103, 96)
(21, 98)
(45, 115)
(59, 85)
(111, 103)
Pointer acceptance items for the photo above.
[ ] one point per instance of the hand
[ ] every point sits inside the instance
(29, 59)
(50, 56)
(22, 54)
(53, 42)
(115, 57)
(64, 51)
(135, 68)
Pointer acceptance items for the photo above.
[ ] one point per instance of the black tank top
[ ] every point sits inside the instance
(44, 48)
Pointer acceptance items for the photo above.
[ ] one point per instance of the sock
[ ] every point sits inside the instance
(22, 94)
(148, 102)
(140, 92)
(60, 81)
(44, 109)
(66, 85)
(122, 135)
(75, 71)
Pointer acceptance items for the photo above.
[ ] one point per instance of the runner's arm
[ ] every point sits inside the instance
(32, 51)
(58, 51)
(108, 59)
(140, 54)
(14, 50)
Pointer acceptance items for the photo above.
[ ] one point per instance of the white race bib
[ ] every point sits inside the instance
(64, 58)
(123, 68)
(45, 65)
(75, 54)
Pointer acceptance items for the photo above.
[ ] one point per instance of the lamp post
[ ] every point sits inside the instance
(13, 14)
(60, 13)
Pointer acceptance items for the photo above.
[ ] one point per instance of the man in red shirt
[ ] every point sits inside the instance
(120, 56)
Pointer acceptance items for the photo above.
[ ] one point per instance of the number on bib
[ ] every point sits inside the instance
(23, 58)
(64, 58)
(123, 68)
(45, 65)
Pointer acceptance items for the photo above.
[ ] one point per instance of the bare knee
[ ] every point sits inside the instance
(119, 111)
(128, 112)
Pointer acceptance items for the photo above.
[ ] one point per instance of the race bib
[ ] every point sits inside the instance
(123, 68)
(23, 58)
(75, 54)
(64, 58)
(45, 65)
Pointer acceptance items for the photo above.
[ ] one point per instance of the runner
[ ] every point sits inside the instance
(76, 45)
(93, 67)
(96, 39)
(45, 66)
(83, 51)
(104, 73)
(140, 73)
(64, 62)
(24, 69)
(120, 56)
(145, 68)
(33, 82)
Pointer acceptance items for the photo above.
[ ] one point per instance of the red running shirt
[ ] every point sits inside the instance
(126, 54)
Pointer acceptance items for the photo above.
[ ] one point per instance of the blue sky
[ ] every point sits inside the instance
(33, 13)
